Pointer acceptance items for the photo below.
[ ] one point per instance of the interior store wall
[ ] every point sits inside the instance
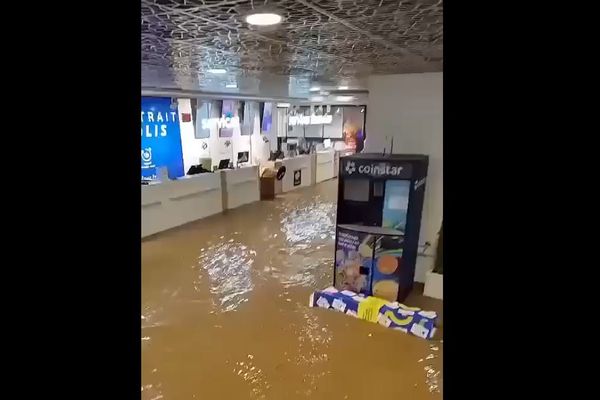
(342, 115)
(409, 108)
(216, 149)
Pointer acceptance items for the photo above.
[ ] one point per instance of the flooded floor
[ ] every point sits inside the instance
(225, 313)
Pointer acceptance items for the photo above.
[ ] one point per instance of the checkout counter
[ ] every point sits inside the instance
(299, 172)
(171, 203)
(168, 203)
(240, 186)
(325, 165)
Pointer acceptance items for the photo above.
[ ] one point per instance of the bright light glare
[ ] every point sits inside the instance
(342, 87)
(344, 98)
(231, 85)
(314, 89)
(317, 98)
(283, 105)
(263, 19)
(217, 71)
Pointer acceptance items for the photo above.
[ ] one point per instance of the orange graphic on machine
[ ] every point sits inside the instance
(387, 264)
(386, 289)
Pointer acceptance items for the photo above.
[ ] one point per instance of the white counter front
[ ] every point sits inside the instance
(298, 172)
(325, 165)
(240, 186)
(168, 204)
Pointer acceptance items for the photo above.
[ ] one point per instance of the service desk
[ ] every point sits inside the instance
(172, 203)
(298, 172)
(325, 165)
(240, 186)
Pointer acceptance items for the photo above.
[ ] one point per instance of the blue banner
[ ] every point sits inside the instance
(161, 139)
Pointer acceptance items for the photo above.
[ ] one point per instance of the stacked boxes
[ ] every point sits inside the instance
(393, 315)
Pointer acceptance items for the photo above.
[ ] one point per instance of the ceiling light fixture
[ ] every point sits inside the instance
(263, 19)
(217, 71)
(314, 89)
(344, 98)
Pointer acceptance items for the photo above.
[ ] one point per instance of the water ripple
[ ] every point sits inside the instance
(228, 266)
(307, 224)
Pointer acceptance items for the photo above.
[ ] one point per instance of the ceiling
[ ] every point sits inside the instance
(325, 43)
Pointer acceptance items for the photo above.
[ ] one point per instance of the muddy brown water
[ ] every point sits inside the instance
(225, 313)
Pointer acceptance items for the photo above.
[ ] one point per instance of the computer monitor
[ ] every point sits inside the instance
(224, 164)
(242, 157)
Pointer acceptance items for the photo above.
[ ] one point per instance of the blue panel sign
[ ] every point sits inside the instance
(161, 139)
(395, 204)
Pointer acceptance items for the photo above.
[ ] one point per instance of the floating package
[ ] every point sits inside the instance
(393, 315)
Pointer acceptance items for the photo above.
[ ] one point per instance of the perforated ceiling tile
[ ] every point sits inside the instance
(323, 41)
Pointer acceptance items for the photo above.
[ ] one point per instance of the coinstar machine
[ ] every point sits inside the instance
(380, 201)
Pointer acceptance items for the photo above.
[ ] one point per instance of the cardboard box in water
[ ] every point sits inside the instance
(267, 187)
(393, 315)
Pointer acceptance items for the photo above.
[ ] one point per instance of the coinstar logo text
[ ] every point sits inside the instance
(373, 169)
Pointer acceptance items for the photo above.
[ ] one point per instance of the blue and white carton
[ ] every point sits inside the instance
(394, 315)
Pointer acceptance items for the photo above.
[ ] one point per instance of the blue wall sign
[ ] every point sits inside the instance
(161, 139)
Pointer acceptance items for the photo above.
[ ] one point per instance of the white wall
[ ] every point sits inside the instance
(409, 107)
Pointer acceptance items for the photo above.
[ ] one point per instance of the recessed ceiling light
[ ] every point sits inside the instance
(263, 19)
(317, 98)
(314, 89)
(342, 87)
(344, 98)
(231, 85)
(284, 105)
(217, 71)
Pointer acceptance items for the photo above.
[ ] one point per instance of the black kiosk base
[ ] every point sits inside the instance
(380, 201)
